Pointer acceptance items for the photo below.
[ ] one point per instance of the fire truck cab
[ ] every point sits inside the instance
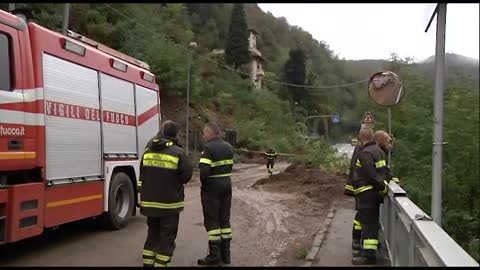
(75, 117)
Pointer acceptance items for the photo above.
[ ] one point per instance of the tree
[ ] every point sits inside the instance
(209, 35)
(296, 73)
(236, 47)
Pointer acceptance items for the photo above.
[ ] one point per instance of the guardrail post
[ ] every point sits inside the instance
(411, 246)
(415, 240)
(390, 219)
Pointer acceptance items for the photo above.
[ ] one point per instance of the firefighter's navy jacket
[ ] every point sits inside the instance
(164, 170)
(389, 174)
(270, 155)
(216, 162)
(371, 177)
(349, 190)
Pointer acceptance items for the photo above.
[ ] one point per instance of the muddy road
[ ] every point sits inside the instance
(274, 221)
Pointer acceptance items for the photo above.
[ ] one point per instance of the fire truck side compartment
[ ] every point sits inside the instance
(73, 143)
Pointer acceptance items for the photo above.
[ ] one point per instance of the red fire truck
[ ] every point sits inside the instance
(75, 117)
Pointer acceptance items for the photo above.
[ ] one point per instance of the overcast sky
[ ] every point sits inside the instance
(373, 31)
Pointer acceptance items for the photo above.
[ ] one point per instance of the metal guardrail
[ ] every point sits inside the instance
(413, 239)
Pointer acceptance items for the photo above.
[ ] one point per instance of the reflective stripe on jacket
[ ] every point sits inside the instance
(270, 155)
(349, 189)
(371, 169)
(216, 160)
(164, 169)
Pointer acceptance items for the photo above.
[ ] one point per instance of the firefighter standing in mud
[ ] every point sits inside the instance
(370, 184)
(215, 166)
(270, 156)
(164, 170)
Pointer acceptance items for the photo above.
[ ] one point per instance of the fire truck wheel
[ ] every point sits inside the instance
(120, 201)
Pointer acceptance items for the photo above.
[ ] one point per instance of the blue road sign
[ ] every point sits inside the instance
(335, 118)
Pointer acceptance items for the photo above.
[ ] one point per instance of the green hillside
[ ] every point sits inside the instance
(274, 116)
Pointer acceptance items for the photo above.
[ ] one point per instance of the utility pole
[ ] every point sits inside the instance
(441, 12)
(192, 45)
(294, 111)
(66, 13)
(325, 122)
(195, 135)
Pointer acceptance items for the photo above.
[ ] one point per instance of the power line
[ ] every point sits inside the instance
(227, 67)
(288, 84)
(318, 87)
(123, 15)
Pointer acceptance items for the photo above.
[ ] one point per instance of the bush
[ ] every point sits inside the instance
(321, 155)
(474, 249)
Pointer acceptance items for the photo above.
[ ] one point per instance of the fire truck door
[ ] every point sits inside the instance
(12, 104)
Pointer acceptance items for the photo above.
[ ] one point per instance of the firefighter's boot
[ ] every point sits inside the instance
(356, 238)
(214, 256)
(356, 245)
(225, 248)
(148, 258)
(367, 257)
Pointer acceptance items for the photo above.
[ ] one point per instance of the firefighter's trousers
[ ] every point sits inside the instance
(357, 228)
(368, 210)
(270, 163)
(160, 243)
(216, 200)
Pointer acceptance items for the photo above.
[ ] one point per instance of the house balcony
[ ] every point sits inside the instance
(260, 73)
(255, 52)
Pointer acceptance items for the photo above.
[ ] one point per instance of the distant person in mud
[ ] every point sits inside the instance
(270, 156)
(215, 166)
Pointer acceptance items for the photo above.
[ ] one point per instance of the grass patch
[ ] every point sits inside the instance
(301, 254)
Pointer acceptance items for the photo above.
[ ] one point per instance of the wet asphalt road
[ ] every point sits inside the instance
(83, 243)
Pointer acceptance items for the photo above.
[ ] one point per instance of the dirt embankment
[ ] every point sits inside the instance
(313, 183)
(174, 108)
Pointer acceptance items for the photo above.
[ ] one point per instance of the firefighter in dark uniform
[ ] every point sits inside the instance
(350, 191)
(164, 170)
(382, 139)
(351, 173)
(270, 156)
(370, 185)
(385, 142)
(215, 166)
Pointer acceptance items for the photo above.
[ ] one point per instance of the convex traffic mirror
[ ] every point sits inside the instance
(385, 88)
